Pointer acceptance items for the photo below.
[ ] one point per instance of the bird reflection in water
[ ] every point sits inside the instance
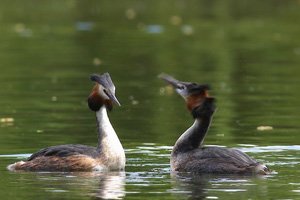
(191, 186)
(112, 186)
(97, 185)
(205, 186)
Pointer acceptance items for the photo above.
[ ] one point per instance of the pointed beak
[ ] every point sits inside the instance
(113, 98)
(172, 81)
(185, 89)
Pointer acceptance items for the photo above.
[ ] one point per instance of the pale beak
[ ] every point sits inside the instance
(113, 97)
(172, 81)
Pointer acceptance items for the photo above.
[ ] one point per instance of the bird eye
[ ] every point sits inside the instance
(105, 91)
(181, 87)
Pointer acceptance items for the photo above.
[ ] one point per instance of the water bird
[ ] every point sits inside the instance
(189, 154)
(107, 156)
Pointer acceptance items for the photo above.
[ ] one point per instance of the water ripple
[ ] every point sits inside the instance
(257, 149)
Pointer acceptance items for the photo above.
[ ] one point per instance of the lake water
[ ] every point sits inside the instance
(248, 51)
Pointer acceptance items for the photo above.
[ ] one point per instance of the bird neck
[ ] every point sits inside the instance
(194, 136)
(108, 140)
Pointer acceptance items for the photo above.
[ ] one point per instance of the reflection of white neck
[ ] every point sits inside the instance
(109, 145)
(112, 185)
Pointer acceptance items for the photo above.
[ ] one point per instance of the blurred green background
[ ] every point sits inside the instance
(248, 51)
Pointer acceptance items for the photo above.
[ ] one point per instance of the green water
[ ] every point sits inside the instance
(248, 51)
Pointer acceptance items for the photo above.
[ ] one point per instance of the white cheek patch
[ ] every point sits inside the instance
(102, 93)
(182, 92)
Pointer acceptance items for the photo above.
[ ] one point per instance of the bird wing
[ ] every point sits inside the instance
(65, 150)
(232, 155)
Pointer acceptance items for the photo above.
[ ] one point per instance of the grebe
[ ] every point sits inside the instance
(189, 155)
(107, 156)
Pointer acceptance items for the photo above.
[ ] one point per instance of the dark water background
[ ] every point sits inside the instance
(248, 51)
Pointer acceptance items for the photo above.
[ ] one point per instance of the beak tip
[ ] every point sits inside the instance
(116, 101)
(161, 75)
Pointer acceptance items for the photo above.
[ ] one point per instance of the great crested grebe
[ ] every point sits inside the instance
(107, 156)
(189, 155)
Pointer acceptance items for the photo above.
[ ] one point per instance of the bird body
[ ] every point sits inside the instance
(189, 154)
(107, 156)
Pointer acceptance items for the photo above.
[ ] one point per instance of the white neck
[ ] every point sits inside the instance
(109, 145)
